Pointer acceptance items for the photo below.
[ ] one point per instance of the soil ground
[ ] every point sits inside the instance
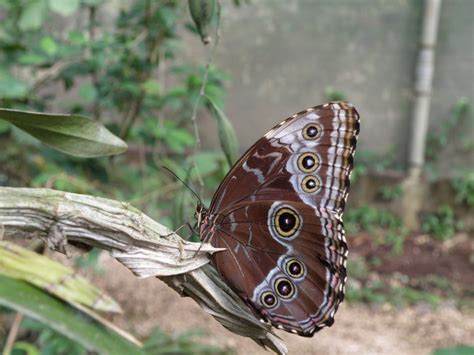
(359, 328)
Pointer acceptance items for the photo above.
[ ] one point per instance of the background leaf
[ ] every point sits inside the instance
(64, 319)
(20, 263)
(71, 134)
(227, 136)
(33, 15)
(64, 7)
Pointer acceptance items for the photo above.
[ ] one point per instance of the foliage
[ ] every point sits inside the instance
(390, 193)
(367, 161)
(457, 127)
(63, 318)
(161, 343)
(464, 189)
(202, 13)
(378, 290)
(368, 218)
(461, 113)
(71, 134)
(49, 341)
(126, 72)
(457, 350)
(333, 94)
(442, 224)
(379, 222)
(23, 264)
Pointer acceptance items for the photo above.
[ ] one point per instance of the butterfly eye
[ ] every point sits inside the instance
(308, 162)
(310, 184)
(268, 299)
(287, 222)
(284, 288)
(311, 131)
(295, 268)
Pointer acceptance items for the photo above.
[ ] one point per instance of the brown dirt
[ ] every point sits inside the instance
(422, 256)
(358, 328)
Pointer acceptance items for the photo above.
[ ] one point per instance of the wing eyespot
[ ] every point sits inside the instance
(310, 184)
(308, 162)
(312, 131)
(287, 222)
(268, 299)
(284, 288)
(295, 268)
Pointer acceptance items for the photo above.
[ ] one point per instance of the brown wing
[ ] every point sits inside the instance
(257, 256)
(279, 213)
(263, 171)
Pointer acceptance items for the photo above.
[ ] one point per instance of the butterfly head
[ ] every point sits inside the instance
(200, 213)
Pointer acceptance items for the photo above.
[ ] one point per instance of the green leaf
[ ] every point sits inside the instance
(77, 37)
(20, 263)
(201, 13)
(88, 92)
(49, 46)
(10, 87)
(27, 348)
(333, 94)
(4, 127)
(206, 163)
(71, 134)
(227, 137)
(63, 318)
(64, 7)
(92, 2)
(33, 15)
(458, 350)
(31, 59)
(152, 87)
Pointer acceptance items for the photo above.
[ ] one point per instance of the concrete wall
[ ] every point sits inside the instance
(283, 54)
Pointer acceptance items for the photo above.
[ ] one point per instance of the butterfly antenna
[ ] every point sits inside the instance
(182, 181)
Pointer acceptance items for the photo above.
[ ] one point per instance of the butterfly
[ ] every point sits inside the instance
(278, 213)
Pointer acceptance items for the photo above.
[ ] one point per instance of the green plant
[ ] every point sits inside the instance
(369, 218)
(367, 161)
(456, 125)
(333, 94)
(457, 350)
(464, 189)
(128, 75)
(442, 224)
(49, 341)
(159, 342)
(390, 193)
(376, 221)
(370, 292)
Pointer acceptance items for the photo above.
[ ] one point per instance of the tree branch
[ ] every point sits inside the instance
(144, 246)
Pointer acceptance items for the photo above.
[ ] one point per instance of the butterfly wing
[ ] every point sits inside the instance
(279, 214)
(272, 166)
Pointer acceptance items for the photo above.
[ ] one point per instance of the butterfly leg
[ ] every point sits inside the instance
(191, 228)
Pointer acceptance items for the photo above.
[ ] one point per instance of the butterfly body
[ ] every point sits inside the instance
(278, 213)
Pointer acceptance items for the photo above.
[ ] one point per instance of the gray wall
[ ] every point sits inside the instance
(283, 54)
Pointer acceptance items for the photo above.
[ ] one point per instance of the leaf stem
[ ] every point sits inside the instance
(12, 334)
(203, 89)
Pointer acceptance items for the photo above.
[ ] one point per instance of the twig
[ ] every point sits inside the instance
(12, 334)
(96, 111)
(51, 73)
(205, 77)
(144, 246)
(134, 110)
(203, 88)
